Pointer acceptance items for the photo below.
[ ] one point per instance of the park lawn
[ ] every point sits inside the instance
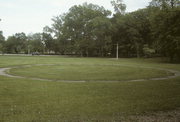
(32, 100)
(88, 72)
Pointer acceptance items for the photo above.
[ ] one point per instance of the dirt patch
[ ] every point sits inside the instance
(169, 116)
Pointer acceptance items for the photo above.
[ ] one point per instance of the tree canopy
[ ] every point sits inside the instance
(91, 30)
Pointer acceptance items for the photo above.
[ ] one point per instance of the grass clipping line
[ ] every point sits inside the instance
(5, 72)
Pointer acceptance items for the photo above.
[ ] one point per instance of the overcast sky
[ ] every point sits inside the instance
(31, 16)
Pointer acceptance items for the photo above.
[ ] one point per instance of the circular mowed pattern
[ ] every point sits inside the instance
(88, 72)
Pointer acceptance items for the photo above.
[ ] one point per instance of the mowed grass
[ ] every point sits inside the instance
(25, 100)
(88, 72)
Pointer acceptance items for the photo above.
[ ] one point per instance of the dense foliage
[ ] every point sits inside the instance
(90, 30)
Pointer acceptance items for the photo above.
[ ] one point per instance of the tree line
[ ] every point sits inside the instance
(91, 30)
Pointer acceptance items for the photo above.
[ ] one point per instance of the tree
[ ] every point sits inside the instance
(2, 41)
(61, 41)
(132, 31)
(16, 43)
(35, 43)
(48, 39)
(138, 25)
(166, 28)
(165, 4)
(119, 6)
(77, 29)
(102, 35)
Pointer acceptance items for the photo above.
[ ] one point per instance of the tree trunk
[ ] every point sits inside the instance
(102, 52)
(87, 53)
(172, 3)
(81, 52)
(171, 58)
(137, 50)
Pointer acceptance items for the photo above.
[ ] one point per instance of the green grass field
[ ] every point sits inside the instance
(88, 72)
(26, 100)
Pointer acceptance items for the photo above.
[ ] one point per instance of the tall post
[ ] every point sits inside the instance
(117, 51)
(28, 49)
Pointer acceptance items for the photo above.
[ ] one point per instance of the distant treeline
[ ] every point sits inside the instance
(90, 30)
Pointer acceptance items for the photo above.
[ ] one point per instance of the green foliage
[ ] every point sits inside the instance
(49, 41)
(2, 41)
(89, 30)
(16, 43)
(166, 29)
(156, 26)
(35, 43)
(165, 4)
(132, 31)
(119, 6)
(148, 52)
(83, 30)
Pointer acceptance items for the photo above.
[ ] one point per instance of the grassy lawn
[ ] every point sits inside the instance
(25, 100)
(88, 72)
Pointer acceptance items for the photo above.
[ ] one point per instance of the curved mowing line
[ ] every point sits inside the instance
(3, 72)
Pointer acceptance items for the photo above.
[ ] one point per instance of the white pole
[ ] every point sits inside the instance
(117, 51)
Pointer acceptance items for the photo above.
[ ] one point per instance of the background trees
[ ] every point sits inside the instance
(35, 43)
(166, 27)
(83, 30)
(2, 41)
(16, 43)
(150, 31)
(90, 30)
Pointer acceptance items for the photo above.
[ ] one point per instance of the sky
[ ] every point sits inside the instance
(30, 16)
